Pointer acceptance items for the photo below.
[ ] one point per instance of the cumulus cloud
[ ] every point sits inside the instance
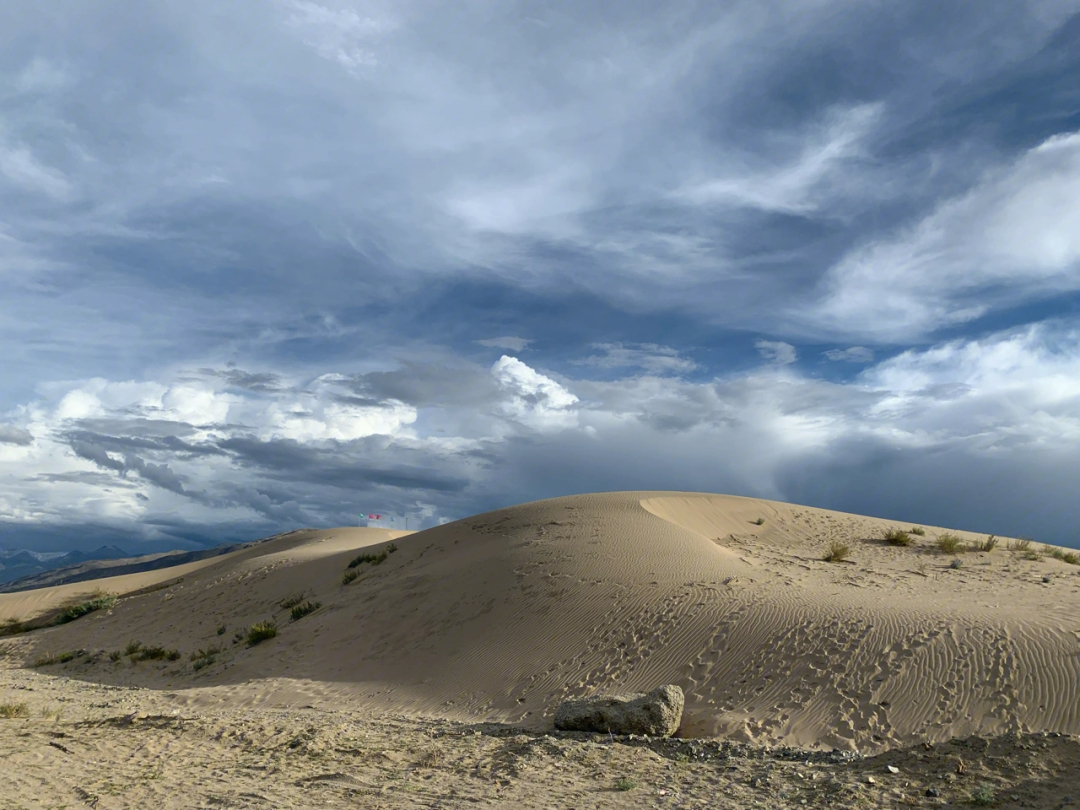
(531, 398)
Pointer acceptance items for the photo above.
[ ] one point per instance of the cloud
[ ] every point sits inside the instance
(853, 354)
(1014, 237)
(514, 344)
(532, 399)
(650, 357)
(776, 351)
(12, 434)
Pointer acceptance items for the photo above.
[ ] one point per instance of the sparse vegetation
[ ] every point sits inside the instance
(74, 612)
(378, 559)
(957, 563)
(983, 795)
(261, 631)
(836, 551)
(1020, 544)
(624, 783)
(759, 522)
(115, 656)
(12, 627)
(292, 601)
(949, 543)
(156, 654)
(918, 530)
(221, 630)
(1031, 554)
(9, 711)
(204, 658)
(132, 647)
(48, 659)
(348, 577)
(303, 609)
(896, 537)
(1069, 557)
(989, 544)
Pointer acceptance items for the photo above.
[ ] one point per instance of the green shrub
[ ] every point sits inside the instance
(957, 563)
(302, 610)
(115, 656)
(9, 711)
(759, 522)
(949, 543)
(836, 551)
(1031, 554)
(260, 632)
(203, 662)
(132, 647)
(919, 530)
(156, 654)
(1020, 544)
(895, 537)
(376, 559)
(204, 658)
(292, 601)
(221, 630)
(76, 611)
(12, 627)
(348, 577)
(624, 783)
(983, 795)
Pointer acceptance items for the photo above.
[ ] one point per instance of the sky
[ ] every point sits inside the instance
(266, 265)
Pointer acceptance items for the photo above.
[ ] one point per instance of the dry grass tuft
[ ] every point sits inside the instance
(836, 551)
(260, 632)
(949, 543)
(9, 711)
(895, 537)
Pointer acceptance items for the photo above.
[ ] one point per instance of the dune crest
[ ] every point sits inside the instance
(503, 615)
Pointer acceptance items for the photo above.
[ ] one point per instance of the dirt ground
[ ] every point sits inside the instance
(74, 744)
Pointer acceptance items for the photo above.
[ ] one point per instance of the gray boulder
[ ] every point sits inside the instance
(656, 714)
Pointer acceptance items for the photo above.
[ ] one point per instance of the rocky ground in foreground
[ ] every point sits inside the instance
(73, 744)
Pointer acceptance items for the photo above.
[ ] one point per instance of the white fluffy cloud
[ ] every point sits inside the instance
(531, 398)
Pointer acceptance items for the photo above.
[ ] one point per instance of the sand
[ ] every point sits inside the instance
(497, 618)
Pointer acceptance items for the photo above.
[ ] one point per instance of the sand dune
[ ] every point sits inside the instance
(502, 615)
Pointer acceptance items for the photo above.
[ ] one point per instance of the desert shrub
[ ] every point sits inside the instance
(48, 659)
(1020, 544)
(156, 653)
(115, 656)
(292, 601)
(983, 795)
(957, 563)
(374, 559)
(390, 549)
(132, 647)
(989, 544)
(348, 577)
(9, 711)
(77, 611)
(204, 658)
(1061, 554)
(221, 630)
(260, 631)
(836, 551)
(919, 530)
(759, 522)
(1031, 554)
(895, 537)
(12, 627)
(624, 783)
(302, 610)
(949, 543)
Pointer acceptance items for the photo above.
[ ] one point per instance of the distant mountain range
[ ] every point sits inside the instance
(22, 563)
(24, 570)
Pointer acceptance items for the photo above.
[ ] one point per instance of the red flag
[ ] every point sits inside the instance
(370, 517)
(378, 517)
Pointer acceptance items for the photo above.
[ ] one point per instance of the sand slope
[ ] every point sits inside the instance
(502, 615)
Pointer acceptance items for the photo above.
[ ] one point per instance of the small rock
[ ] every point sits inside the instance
(871, 780)
(933, 792)
(892, 769)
